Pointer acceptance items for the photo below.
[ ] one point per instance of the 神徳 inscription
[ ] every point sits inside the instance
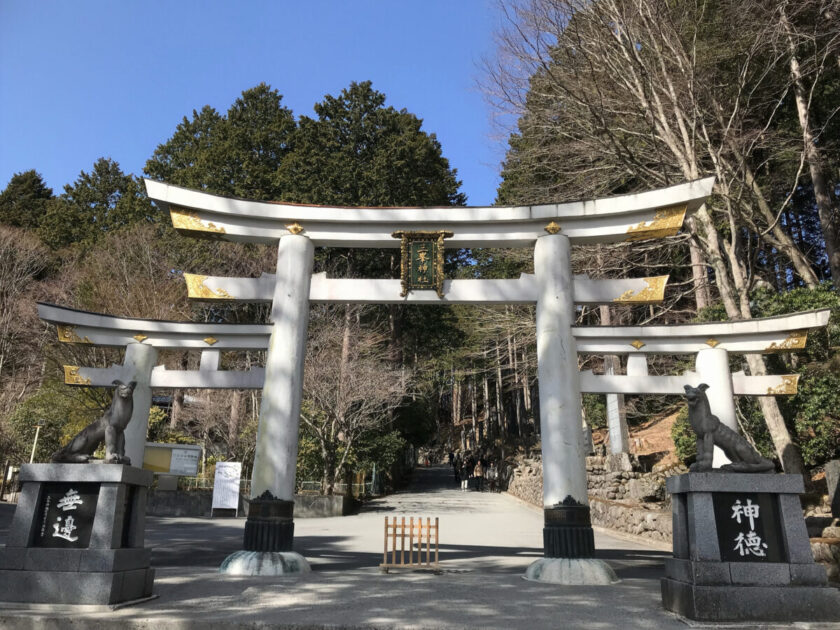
(748, 528)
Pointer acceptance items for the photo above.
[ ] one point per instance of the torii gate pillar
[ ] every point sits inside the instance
(137, 366)
(269, 530)
(568, 539)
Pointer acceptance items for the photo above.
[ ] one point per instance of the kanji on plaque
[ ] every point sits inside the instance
(423, 272)
(748, 527)
(70, 501)
(66, 514)
(750, 544)
(422, 260)
(66, 530)
(748, 511)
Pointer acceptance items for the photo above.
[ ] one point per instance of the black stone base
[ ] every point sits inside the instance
(267, 534)
(751, 603)
(106, 562)
(568, 542)
(269, 526)
(72, 587)
(709, 579)
(568, 532)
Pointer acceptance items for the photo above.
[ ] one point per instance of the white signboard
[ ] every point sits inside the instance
(184, 462)
(226, 485)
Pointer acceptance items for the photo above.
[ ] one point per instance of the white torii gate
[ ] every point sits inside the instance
(551, 228)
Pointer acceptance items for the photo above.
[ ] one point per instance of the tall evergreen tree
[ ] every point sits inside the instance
(24, 201)
(236, 154)
(97, 203)
(358, 152)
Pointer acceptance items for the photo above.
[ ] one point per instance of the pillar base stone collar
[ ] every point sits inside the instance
(265, 563)
(571, 571)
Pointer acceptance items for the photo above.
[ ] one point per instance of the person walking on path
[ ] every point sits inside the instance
(469, 469)
(492, 474)
(478, 472)
(466, 472)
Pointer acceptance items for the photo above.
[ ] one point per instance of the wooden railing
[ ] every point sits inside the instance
(409, 537)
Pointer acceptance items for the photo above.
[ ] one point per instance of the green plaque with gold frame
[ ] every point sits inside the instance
(421, 264)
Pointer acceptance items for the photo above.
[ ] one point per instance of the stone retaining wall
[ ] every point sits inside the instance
(616, 494)
(653, 523)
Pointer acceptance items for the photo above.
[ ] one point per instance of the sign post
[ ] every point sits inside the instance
(226, 487)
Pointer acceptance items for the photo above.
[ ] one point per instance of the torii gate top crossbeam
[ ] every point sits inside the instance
(750, 336)
(97, 329)
(771, 334)
(638, 216)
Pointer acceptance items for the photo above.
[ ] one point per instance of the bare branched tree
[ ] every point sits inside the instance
(619, 95)
(22, 259)
(349, 386)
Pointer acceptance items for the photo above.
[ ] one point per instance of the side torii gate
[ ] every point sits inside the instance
(551, 228)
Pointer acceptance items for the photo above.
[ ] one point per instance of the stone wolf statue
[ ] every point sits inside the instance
(109, 428)
(712, 432)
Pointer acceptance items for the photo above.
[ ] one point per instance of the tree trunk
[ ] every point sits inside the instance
(178, 399)
(235, 420)
(699, 276)
(828, 211)
(526, 389)
(511, 343)
(456, 399)
(474, 408)
(486, 390)
(788, 452)
(328, 480)
(500, 412)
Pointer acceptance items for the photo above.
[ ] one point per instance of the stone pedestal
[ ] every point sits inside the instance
(77, 536)
(741, 551)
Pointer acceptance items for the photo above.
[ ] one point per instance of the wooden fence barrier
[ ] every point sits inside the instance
(413, 531)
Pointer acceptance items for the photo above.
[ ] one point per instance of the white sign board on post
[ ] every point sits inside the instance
(226, 486)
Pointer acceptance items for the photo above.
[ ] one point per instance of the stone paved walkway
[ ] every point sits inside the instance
(487, 541)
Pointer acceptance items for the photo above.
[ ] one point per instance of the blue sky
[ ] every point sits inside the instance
(84, 79)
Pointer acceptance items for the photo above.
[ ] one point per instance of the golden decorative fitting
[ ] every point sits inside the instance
(552, 228)
(654, 292)
(712, 342)
(638, 344)
(189, 221)
(210, 340)
(67, 334)
(197, 290)
(789, 386)
(72, 376)
(295, 228)
(140, 337)
(666, 222)
(795, 341)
